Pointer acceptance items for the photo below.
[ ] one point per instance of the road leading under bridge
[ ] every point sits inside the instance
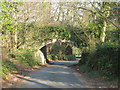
(58, 75)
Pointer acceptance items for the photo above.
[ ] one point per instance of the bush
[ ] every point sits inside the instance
(85, 69)
(22, 56)
(52, 57)
(84, 58)
(56, 57)
(61, 52)
(70, 57)
(61, 57)
(104, 59)
(26, 57)
(7, 67)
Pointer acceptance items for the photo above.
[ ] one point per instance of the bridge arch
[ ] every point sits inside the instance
(44, 48)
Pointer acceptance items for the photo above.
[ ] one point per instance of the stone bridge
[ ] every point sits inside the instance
(46, 46)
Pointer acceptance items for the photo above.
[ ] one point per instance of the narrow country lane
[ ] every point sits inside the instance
(58, 75)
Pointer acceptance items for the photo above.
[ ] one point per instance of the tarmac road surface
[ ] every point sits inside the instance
(59, 75)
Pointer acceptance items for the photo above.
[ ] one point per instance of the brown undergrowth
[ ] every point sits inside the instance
(12, 79)
(96, 82)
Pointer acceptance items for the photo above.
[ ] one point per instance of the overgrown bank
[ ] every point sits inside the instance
(104, 60)
(19, 59)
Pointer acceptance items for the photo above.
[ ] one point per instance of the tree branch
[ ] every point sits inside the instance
(104, 16)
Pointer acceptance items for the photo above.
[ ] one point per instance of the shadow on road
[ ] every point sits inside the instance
(57, 75)
(32, 81)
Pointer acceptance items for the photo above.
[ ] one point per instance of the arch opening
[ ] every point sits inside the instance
(61, 49)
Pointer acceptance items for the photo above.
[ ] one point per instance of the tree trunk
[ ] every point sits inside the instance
(103, 32)
(16, 39)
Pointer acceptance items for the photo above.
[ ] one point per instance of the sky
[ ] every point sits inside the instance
(61, 0)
